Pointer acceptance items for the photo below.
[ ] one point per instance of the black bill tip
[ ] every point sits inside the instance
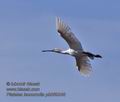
(46, 50)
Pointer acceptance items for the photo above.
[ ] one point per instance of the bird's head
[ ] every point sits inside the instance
(57, 49)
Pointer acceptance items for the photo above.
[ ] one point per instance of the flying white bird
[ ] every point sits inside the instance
(75, 50)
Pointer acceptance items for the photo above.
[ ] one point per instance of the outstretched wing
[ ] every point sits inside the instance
(83, 65)
(67, 34)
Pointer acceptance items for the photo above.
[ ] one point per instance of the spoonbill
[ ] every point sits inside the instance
(76, 50)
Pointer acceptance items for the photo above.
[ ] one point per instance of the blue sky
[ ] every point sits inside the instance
(28, 26)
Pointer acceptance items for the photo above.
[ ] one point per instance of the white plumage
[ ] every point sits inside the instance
(75, 50)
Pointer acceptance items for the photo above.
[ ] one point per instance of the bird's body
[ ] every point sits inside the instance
(75, 50)
(70, 52)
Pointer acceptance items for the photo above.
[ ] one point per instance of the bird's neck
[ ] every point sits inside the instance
(58, 52)
(69, 52)
(62, 52)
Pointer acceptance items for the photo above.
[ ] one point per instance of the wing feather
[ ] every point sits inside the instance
(84, 65)
(66, 33)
